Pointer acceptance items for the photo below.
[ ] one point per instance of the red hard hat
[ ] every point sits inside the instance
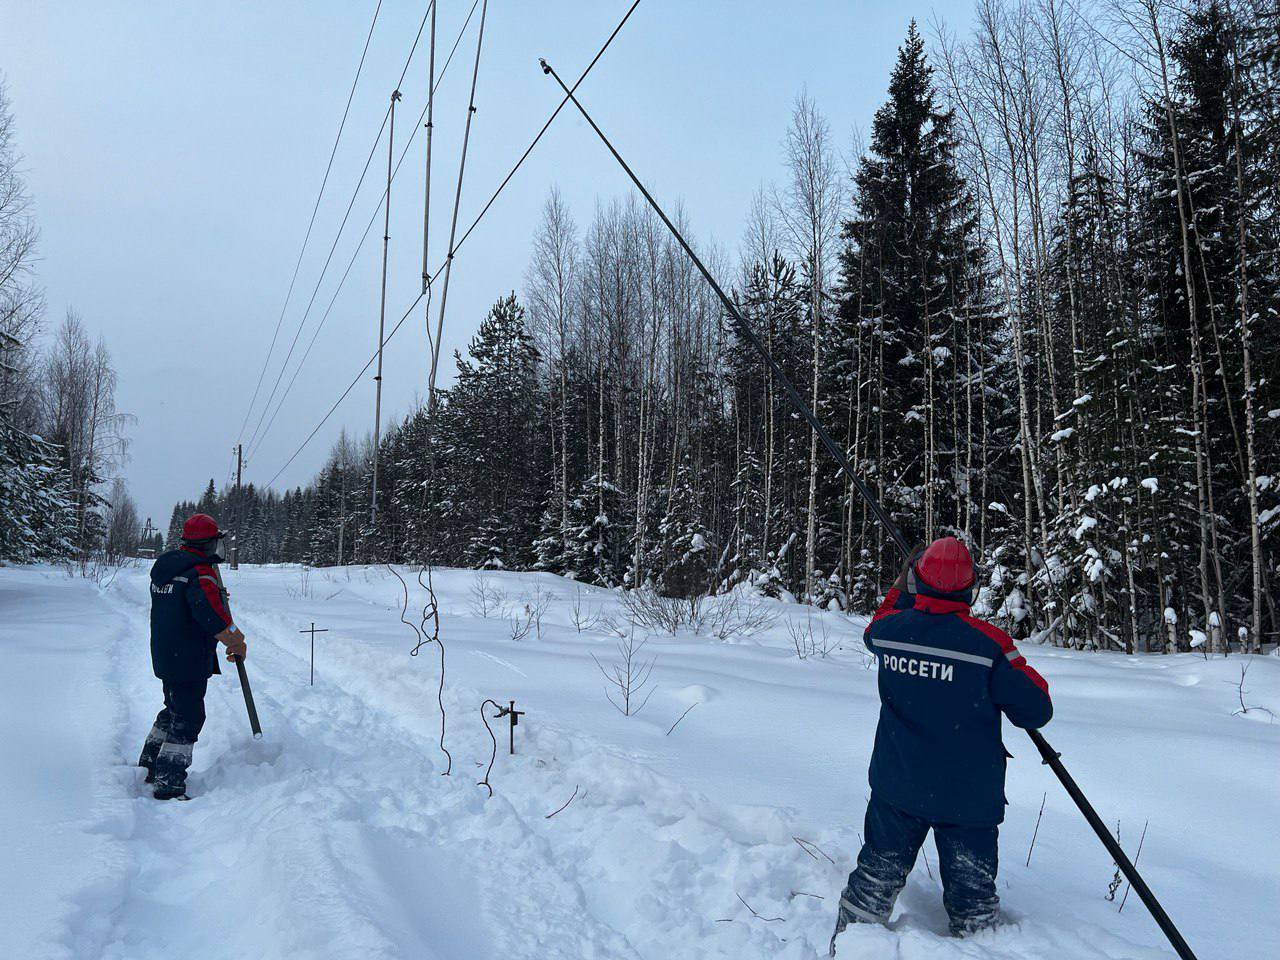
(199, 526)
(946, 566)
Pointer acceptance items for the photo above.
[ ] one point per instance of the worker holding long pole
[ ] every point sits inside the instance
(934, 578)
(190, 616)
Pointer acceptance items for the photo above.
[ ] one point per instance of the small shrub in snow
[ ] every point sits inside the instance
(535, 605)
(486, 599)
(302, 590)
(808, 641)
(528, 615)
(648, 608)
(630, 676)
(583, 617)
(732, 616)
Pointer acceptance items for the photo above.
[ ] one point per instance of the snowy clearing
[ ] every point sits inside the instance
(336, 836)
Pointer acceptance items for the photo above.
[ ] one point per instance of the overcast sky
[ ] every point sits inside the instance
(174, 151)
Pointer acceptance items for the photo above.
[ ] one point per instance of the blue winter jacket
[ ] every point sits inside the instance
(945, 678)
(188, 607)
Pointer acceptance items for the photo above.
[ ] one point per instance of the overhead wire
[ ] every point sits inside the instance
(261, 436)
(312, 222)
(458, 246)
(328, 259)
(254, 440)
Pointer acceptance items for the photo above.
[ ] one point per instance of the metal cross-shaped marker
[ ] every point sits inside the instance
(313, 630)
(515, 715)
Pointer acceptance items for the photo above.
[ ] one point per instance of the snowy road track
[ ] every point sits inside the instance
(336, 836)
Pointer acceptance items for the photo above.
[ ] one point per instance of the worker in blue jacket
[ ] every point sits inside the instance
(945, 679)
(190, 616)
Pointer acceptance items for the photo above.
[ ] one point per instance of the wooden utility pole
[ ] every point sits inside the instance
(382, 313)
(457, 200)
(426, 206)
(235, 534)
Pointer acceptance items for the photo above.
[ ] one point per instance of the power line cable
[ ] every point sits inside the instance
(312, 222)
(337, 238)
(328, 259)
(261, 435)
(529, 149)
(351, 386)
(439, 270)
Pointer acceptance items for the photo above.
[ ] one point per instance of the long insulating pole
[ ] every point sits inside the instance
(457, 200)
(382, 314)
(749, 334)
(1050, 756)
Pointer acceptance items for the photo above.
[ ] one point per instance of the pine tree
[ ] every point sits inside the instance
(489, 461)
(594, 552)
(914, 324)
(37, 503)
(550, 547)
(774, 302)
(688, 561)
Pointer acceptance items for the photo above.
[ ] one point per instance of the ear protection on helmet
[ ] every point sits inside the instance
(912, 586)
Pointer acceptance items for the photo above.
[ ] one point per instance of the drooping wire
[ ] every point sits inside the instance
(412, 49)
(431, 611)
(261, 435)
(404, 609)
(555, 113)
(494, 755)
(452, 253)
(312, 222)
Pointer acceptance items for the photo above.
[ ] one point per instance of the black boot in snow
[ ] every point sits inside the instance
(171, 771)
(841, 923)
(849, 913)
(150, 750)
(844, 917)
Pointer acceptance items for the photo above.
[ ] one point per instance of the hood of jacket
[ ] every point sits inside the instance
(174, 563)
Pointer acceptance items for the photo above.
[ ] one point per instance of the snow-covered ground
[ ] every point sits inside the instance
(336, 835)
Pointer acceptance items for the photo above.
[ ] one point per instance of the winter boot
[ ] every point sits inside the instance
(150, 750)
(171, 771)
(848, 913)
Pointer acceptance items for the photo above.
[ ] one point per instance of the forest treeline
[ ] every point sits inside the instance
(1038, 307)
(61, 437)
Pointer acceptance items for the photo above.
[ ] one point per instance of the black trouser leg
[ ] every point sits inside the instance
(156, 738)
(184, 702)
(892, 840)
(968, 859)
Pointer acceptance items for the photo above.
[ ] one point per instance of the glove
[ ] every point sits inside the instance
(234, 641)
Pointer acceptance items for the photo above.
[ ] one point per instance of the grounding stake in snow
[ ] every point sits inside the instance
(507, 711)
(1050, 756)
(313, 630)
